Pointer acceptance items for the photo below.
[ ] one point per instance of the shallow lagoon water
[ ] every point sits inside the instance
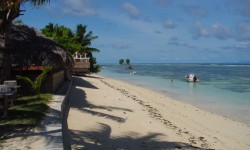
(223, 89)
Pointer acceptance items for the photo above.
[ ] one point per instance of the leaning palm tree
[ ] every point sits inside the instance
(10, 10)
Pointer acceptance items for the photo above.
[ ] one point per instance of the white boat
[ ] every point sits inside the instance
(132, 73)
(191, 78)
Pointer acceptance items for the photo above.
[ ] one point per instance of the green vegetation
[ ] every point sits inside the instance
(94, 67)
(27, 111)
(129, 67)
(25, 114)
(121, 61)
(1, 142)
(127, 61)
(36, 85)
(78, 41)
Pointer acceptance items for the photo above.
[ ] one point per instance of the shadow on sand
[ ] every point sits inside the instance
(22, 131)
(53, 136)
(101, 138)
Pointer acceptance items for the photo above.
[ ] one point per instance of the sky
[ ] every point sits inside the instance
(155, 31)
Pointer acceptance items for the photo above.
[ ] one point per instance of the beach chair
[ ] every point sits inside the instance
(4, 88)
(12, 84)
(6, 98)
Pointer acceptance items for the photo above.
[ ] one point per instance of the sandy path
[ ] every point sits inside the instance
(109, 114)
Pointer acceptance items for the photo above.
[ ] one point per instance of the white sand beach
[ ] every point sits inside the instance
(110, 114)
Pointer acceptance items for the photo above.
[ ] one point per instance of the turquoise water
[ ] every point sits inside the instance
(223, 89)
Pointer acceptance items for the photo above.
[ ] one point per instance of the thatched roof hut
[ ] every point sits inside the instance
(31, 48)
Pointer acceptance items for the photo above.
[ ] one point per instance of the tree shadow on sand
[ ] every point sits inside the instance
(78, 81)
(100, 137)
(48, 128)
(81, 104)
(24, 131)
(89, 76)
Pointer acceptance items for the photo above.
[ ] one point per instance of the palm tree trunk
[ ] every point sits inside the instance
(7, 16)
(9, 10)
(6, 58)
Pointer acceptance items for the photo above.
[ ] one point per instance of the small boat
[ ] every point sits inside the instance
(191, 78)
(132, 73)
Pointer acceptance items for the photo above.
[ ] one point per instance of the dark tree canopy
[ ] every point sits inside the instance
(78, 41)
(128, 61)
(121, 61)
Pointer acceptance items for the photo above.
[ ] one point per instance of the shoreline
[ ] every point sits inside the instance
(209, 107)
(133, 112)
(221, 108)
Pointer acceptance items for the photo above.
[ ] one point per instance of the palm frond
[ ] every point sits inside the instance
(38, 2)
(91, 49)
(41, 77)
(26, 79)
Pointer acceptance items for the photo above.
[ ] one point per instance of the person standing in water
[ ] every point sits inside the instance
(172, 78)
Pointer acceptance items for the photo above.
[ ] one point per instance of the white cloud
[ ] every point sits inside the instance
(242, 31)
(177, 42)
(131, 10)
(78, 7)
(198, 30)
(141, 26)
(216, 30)
(119, 46)
(163, 2)
(168, 23)
(194, 10)
(243, 45)
(242, 6)
(220, 32)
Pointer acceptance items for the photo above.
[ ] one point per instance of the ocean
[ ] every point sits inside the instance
(223, 89)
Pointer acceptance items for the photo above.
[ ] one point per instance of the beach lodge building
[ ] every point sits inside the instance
(81, 64)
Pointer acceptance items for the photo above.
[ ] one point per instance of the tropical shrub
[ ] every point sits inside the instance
(36, 85)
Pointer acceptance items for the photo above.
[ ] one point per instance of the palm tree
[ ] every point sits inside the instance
(10, 10)
(85, 39)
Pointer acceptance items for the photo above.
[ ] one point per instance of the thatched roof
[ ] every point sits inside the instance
(30, 47)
